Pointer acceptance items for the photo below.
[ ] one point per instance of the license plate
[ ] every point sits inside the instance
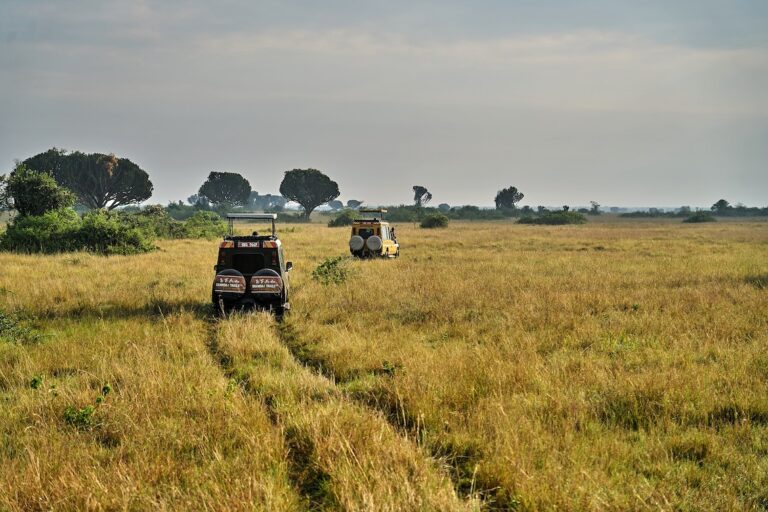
(248, 244)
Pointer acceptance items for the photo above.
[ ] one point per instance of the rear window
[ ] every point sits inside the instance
(248, 263)
(365, 232)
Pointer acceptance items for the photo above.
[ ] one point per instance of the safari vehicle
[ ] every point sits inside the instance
(372, 237)
(251, 271)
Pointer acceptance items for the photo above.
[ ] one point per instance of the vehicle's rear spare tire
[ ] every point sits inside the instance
(267, 283)
(374, 243)
(229, 285)
(356, 243)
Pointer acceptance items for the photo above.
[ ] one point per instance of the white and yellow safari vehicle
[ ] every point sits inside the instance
(372, 237)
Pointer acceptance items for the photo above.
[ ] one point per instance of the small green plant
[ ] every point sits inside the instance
(434, 220)
(331, 271)
(12, 330)
(80, 418)
(36, 382)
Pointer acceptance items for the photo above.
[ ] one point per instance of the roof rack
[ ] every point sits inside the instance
(231, 217)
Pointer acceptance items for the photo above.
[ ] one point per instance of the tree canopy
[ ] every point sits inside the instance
(721, 206)
(507, 198)
(30, 192)
(354, 204)
(98, 180)
(309, 187)
(421, 195)
(226, 188)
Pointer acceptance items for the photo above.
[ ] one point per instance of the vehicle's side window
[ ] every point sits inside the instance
(384, 233)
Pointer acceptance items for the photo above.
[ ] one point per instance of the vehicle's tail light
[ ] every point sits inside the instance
(226, 244)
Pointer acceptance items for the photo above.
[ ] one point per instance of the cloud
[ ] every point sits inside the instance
(570, 70)
(599, 94)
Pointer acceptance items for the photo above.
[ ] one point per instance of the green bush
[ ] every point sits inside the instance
(35, 193)
(54, 231)
(104, 233)
(63, 231)
(154, 221)
(700, 217)
(331, 271)
(13, 330)
(434, 220)
(555, 218)
(204, 224)
(344, 218)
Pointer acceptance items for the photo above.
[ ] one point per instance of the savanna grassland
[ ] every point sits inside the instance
(610, 366)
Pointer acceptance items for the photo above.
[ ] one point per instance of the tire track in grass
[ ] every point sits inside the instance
(342, 454)
(462, 462)
(306, 480)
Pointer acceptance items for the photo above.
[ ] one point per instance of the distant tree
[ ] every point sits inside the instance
(335, 205)
(595, 210)
(721, 207)
(566, 208)
(444, 207)
(226, 188)
(507, 198)
(31, 192)
(4, 198)
(541, 209)
(421, 195)
(308, 187)
(266, 202)
(198, 200)
(354, 204)
(98, 180)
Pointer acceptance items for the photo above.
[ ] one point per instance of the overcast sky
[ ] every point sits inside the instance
(653, 102)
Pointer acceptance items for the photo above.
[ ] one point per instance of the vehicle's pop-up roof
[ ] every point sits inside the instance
(372, 214)
(232, 217)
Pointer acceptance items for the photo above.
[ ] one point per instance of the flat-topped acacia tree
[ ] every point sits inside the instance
(98, 180)
(308, 187)
(228, 188)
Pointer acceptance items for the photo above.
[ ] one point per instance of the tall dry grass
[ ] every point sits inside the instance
(611, 366)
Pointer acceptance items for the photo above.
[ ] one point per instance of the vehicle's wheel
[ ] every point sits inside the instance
(374, 243)
(356, 243)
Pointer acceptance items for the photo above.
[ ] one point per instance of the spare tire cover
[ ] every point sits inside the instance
(266, 280)
(356, 243)
(229, 283)
(374, 243)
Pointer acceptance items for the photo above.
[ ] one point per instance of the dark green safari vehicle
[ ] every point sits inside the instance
(251, 271)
